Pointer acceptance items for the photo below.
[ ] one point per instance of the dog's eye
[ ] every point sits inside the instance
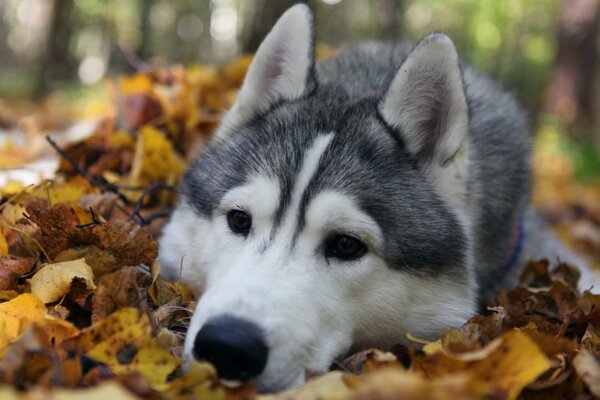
(345, 247)
(239, 221)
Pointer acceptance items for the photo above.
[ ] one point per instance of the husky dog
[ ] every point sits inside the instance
(346, 203)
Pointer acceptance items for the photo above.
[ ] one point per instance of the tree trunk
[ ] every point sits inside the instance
(56, 63)
(571, 90)
(259, 18)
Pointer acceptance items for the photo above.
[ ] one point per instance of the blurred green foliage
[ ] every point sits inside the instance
(42, 51)
(512, 40)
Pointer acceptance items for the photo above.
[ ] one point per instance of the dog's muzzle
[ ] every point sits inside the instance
(235, 346)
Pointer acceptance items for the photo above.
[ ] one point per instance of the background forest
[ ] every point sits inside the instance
(546, 50)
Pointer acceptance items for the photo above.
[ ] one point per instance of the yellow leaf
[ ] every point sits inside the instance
(516, 363)
(198, 381)
(53, 281)
(24, 310)
(154, 363)
(154, 159)
(330, 386)
(138, 83)
(109, 326)
(124, 342)
(8, 393)
(67, 192)
(18, 314)
(102, 391)
(396, 383)
(3, 245)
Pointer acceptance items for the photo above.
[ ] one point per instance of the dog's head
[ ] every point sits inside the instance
(317, 220)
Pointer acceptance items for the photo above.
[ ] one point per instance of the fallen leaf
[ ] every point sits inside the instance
(3, 245)
(123, 288)
(18, 314)
(53, 281)
(588, 369)
(130, 348)
(330, 386)
(399, 384)
(130, 243)
(508, 363)
(11, 269)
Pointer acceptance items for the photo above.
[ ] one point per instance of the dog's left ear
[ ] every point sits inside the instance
(426, 102)
(282, 69)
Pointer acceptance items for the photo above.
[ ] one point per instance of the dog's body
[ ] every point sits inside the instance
(343, 205)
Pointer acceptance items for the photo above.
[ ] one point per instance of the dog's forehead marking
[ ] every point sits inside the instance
(309, 166)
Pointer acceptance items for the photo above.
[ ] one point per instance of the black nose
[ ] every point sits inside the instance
(235, 346)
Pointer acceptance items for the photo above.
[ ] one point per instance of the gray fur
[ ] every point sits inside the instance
(430, 162)
(367, 159)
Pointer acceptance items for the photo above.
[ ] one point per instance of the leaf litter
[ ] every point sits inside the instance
(84, 311)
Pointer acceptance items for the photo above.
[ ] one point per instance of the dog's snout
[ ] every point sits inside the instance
(235, 346)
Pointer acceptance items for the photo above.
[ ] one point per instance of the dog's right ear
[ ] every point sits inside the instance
(282, 69)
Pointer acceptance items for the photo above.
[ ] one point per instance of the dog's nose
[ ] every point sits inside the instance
(235, 346)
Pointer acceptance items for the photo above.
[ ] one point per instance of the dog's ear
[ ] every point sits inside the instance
(282, 69)
(426, 102)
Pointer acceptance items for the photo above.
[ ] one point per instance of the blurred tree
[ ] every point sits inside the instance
(259, 17)
(56, 62)
(570, 94)
(145, 49)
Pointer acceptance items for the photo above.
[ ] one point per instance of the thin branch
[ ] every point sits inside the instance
(140, 201)
(81, 171)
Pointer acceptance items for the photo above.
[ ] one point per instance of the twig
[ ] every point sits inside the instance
(140, 201)
(94, 222)
(81, 171)
(156, 215)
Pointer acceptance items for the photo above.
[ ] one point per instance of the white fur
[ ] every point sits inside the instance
(313, 309)
(279, 70)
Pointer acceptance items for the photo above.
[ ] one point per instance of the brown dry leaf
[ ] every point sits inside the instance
(11, 269)
(103, 204)
(163, 292)
(123, 288)
(130, 243)
(53, 281)
(57, 225)
(101, 261)
(139, 105)
(28, 360)
(483, 329)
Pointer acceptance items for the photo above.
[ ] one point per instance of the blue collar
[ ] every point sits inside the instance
(517, 246)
